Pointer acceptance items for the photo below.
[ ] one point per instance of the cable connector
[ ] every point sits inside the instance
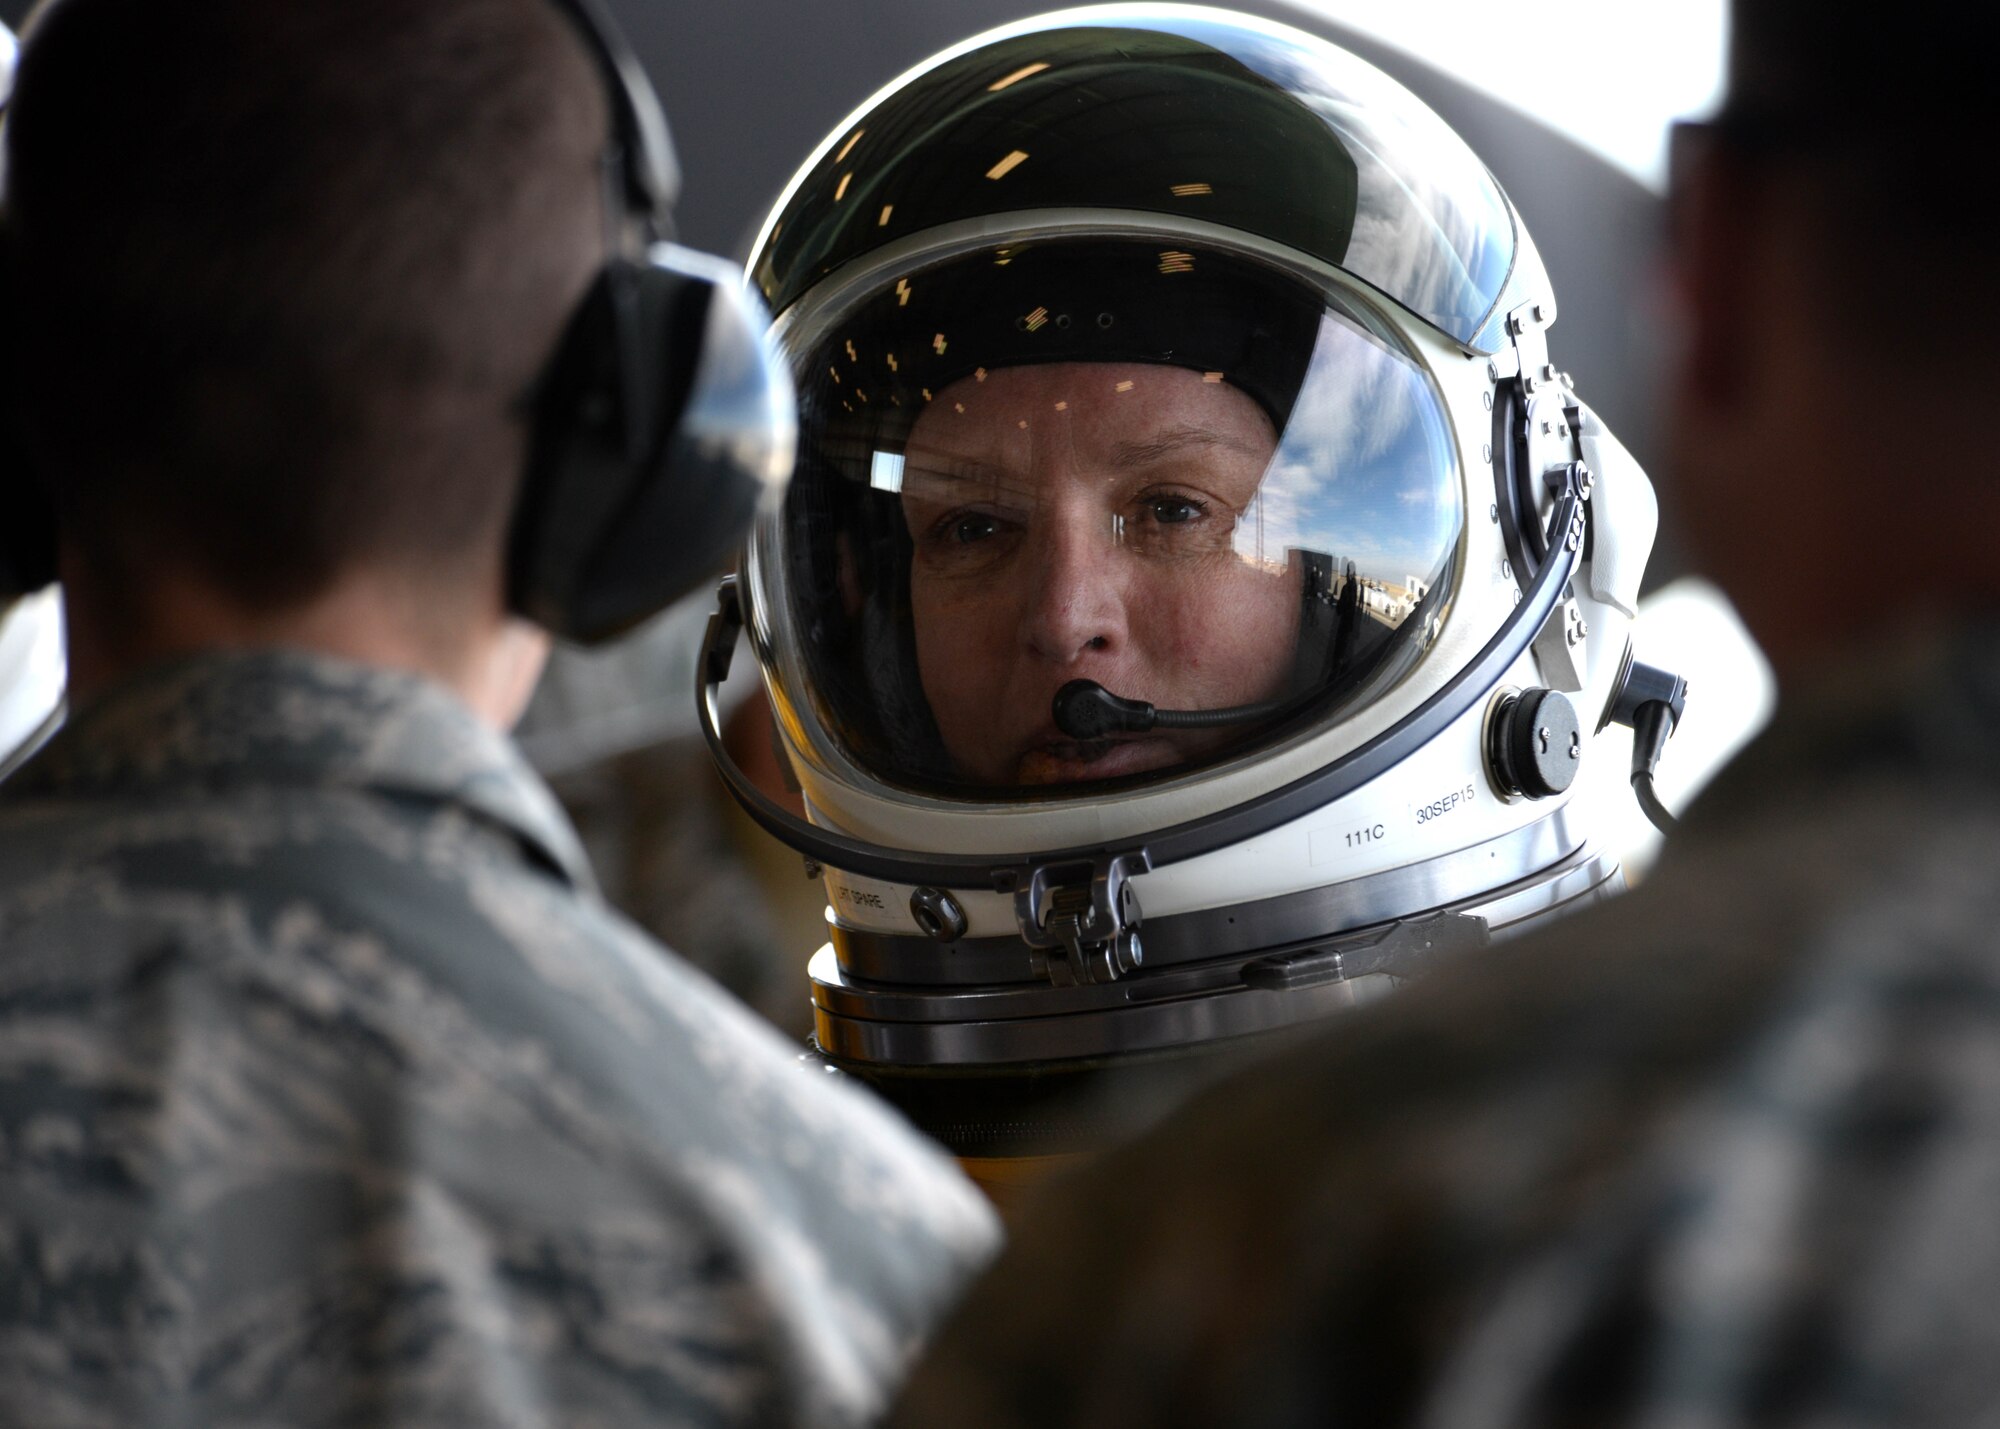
(1649, 702)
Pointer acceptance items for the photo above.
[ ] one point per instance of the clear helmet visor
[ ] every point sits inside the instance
(1197, 481)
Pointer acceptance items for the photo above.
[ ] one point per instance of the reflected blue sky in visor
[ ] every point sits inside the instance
(1431, 228)
(1365, 471)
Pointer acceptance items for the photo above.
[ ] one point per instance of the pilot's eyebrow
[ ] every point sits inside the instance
(948, 468)
(1172, 442)
(933, 477)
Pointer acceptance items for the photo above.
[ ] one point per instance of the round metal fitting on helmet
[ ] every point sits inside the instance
(937, 913)
(1537, 744)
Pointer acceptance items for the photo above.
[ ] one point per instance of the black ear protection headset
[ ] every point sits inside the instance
(658, 424)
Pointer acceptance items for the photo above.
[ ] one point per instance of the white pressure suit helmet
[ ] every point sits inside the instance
(1199, 591)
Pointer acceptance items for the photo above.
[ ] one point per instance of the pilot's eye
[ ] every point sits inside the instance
(1172, 510)
(972, 527)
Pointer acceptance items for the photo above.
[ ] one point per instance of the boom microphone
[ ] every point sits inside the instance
(1084, 709)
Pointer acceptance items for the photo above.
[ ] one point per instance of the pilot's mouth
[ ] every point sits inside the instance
(1064, 760)
(1082, 751)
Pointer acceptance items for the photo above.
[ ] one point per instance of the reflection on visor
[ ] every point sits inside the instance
(1217, 118)
(1232, 494)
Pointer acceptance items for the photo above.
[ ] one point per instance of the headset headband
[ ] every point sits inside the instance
(640, 144)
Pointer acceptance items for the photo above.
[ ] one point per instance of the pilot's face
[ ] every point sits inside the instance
(1075, 520)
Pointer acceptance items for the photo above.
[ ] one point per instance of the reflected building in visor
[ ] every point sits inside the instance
(1199, 590)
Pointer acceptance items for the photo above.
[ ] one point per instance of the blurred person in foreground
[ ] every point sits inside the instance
(331, 1092)
(1725, 1151)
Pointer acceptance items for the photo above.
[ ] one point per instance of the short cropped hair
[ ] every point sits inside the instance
(289, 270)
(1888, 110)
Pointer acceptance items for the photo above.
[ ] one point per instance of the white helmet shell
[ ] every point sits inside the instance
(1187, 355)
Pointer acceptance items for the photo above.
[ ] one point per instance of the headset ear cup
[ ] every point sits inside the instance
(582, 453)
(659, 425)
(27, 519)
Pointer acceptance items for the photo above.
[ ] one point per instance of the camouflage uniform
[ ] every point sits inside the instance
(678, 857)
(1724, 1152)
(332, 1094)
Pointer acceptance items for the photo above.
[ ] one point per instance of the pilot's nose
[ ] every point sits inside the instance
(1077, 604)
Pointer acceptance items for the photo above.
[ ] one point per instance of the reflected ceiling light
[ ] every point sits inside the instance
(1173, 261)
(1007, 165)
(840, 189)
(883, 221)
(1124, 387)
(1037, 319)
(903, 294)
(1016, 77)
(1190, 190)
(937, 344)
(852, 140)
(885, 472)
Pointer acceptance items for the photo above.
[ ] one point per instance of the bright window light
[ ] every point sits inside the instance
(1609, 74)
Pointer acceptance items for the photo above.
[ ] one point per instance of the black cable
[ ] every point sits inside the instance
(1652, 722)
(1650, 805)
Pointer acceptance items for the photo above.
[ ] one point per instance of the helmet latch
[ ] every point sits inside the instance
(1082, 918)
